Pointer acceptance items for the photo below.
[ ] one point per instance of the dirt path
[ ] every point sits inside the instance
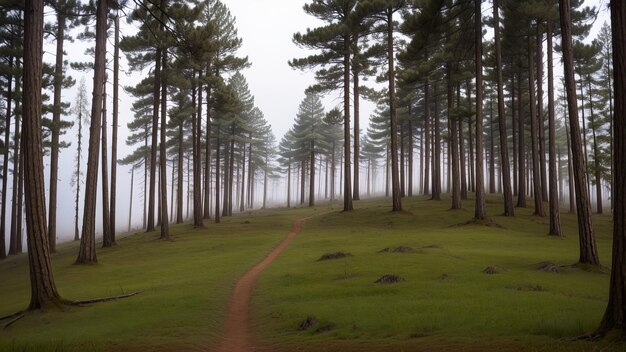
(237, 335)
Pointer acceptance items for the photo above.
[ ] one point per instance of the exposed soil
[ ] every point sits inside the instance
(334, 255)
(389, 279)
(403, 249)
(307, 323)
(549, 267)
(490, 270)
(237, 334)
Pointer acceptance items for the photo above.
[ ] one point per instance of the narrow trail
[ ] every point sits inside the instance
(237, 336)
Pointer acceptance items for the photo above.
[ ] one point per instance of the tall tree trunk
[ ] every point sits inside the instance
(426, 165)
(492, 149)
(265, 182)
(55, 130)
(231, 172)
(555, 221)
(87, 251)
(504, 149)
(311, 175)
(514, 132)
(410, 147)
(472, 164)
(540, 122)
(347, 186)
(207, 157)
(107, 241)
(197, 157)
(596, 152)
(436, 186)
(289, 183)
(243, 179)
(534, 132)
(588, 250)
(154, 142)
(461, 148)
(78, 173)
(480, 211)
(217, 175)
(402, 157)
(130, 207)
(5, 165)
(521, 154)
(179, 179)
(165, 229)
(615, 314)
(456, 182)
(43, 290)
(570, 172)
(357, 136)
(116, 84)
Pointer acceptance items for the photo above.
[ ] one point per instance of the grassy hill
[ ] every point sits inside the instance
(445, 303)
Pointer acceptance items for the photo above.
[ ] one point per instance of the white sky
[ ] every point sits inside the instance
(266, 27)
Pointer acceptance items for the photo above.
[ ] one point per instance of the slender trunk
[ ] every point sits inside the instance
(289, 183)
(540, 122)
(504, 149)
(165, 229)
(179, 179)
(217, 175)
(480, 212)
(107, 241)
(436, 191)
(461, 149)
(521, 154)
(533, 133)
(87, 251)
(454, 146)
(116, 83)
(55, 129)
(395, 181)
(410, 147)
(207, 158)
(426, 164)
(243, 179)
(555, 222)
(472, 165)
(5, 165)
(154, 144)
(311, 175)
(78, 173)
(492, 150)
(265, 182)
(130, 207)
(197, 157)
(357, 137)
(231, 172)
(596, 152)
(588, 250)
(402, 154)
(514, 132)
(347, 185)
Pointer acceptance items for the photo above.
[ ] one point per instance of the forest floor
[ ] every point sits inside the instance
(444, 303)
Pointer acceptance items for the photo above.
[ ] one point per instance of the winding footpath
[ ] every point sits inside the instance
(237, 336)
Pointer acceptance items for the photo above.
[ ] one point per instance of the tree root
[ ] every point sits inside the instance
(11, 315)
(18, 317)
(103, 299)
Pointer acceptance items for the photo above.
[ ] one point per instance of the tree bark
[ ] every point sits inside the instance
(154, 143)
(87, 251)
(521, 154)
(456, 182)
(116, 84)
(197, 157)
(588, 250)
(5, 166)
(357, 137)
(165, 230)
(540, 122)
(615, 314)
(55, 130)
(43, 290)
(480, 211)
(207, 156)
(436, 179)
(426, 165)
(534, 132)
(504, 149)
(106, 220)
(393, 123)
(347, 184)
(555, 221)
(311, 176)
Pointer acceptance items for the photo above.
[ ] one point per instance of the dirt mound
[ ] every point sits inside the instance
(389, 279)
(384, 250)
(490, 270)
(530, 288)
(334, 255)
(307, 323)
(403, 249)
(549, 267)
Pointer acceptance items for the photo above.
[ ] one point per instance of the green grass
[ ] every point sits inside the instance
(445, 297)
(185, 284)
(445, 304)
